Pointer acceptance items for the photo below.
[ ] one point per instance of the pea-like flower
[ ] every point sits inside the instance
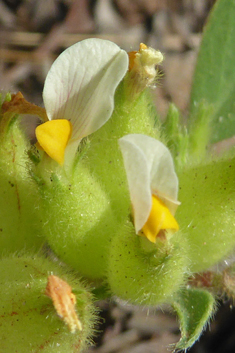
(79, 95)
(153, 184)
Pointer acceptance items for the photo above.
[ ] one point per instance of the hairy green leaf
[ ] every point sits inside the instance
(194, 308)
(214, 79)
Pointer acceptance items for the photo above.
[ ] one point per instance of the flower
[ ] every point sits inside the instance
(143, 67)
(153, 184)
(79, 94)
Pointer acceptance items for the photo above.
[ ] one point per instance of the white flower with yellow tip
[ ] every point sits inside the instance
(153, 184)
(79, 95)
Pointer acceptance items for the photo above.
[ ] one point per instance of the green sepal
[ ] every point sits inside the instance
(200, 132)
(194, 308)
(188, 143)
(214, 79)
(176, 136)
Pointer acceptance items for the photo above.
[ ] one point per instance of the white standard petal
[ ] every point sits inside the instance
(138, 178)
(150, 171)
(81, 83)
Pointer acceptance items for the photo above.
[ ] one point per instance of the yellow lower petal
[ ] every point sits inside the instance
(53, 137)
(160, 218)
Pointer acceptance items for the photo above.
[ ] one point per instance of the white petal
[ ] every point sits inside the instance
(138, 177)
(81, 83)
(150, 170)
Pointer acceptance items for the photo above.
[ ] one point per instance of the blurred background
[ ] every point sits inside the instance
(33, 33)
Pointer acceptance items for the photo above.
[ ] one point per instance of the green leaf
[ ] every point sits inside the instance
(214, 79)
(194, 308)
(206, 213)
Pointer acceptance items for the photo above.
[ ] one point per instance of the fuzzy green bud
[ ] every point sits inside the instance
(78, 221)
(31, 321)
(146, 273)
(19, 218)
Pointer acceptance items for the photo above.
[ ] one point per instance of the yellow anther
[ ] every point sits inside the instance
(132, 55)
(160, 218)
(53, 137)
(143, 46)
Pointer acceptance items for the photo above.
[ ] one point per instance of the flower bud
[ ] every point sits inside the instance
(29, 320)
(78, 221)
(19, 198)
(146, 273)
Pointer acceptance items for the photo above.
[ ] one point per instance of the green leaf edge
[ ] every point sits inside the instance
(197, 72)
(188, 339)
